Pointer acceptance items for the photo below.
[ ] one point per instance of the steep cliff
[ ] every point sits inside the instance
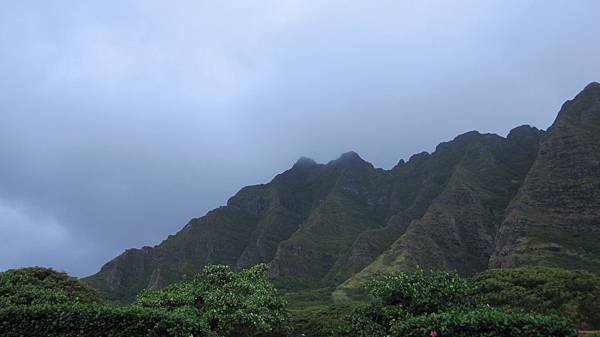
(555, 219)
(479, 200)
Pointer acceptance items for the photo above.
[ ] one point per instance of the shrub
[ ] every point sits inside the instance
(422, 293)
(232, 304)
(482, 322)
(38, 285)
(372, 320)
(316, 320)
(403, 295)
(76, 320)
(568, 293)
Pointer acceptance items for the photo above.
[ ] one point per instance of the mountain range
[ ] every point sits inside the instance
(478, 201)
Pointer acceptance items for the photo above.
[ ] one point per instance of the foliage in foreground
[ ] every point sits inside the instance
(440, 304)
(482, 322)
(216, 302)
(38, 285)
(221, 302)
(232, 304)
(76, 320)
(421, 293)
(572, 294)
(401, 296)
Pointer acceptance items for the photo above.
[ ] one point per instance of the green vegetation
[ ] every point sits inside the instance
(37, 285)
(43, 302)
(506, 296)
(218, 302)
(402, 296)
(77, 320)
(441, 304)
(421, 293)
(572, 294)
(482, 322)
(232, 304)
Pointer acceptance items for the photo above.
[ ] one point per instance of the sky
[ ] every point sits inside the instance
(120, 120)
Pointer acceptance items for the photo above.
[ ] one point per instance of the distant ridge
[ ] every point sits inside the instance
(480, 200)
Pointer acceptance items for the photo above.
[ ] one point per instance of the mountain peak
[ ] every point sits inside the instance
(591, 90)
(350, 155)
(593, 86)
(584, 109)
(523, 132)
(305, 162)
(350, 159)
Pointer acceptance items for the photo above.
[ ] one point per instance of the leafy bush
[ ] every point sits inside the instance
(315, 320)
(232, 304)
(422, 293)
(372, 320)
(400, 296)
(568, 293)
(38, 285)
(76, 320)
(446, 304)
(482, 322)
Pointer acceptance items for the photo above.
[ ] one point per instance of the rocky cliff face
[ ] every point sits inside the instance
(322, 225)
(457, 229)
(555, 219)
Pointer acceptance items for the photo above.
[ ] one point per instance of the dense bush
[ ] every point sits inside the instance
(216, 302)
(448, 305)
(232, 304)
(482, 322)
(371, 320)
(568, 293)
(77, 320)
(397, 297)
(42, 286)
(422, 293)
(316, 320)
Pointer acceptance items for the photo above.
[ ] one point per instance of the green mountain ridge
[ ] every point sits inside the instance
(558, 223)
(480, 200)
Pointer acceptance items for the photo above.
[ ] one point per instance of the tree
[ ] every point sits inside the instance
(232, 303)
(423, 293)
(37, 285)
(400, 296)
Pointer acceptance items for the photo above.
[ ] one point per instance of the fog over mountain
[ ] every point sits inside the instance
(121, 120)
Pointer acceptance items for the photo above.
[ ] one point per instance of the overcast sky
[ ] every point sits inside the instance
(122, 119)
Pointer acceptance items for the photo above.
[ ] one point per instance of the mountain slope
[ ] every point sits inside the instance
(478, 200)
(555, 219)
(458, 228)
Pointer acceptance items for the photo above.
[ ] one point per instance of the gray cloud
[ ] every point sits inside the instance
(120, 120)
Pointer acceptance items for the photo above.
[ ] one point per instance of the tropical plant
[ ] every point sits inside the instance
(423, 293)
(572, 294)
(231, 303)
(96, 320)
(482, 322)
(38, 285)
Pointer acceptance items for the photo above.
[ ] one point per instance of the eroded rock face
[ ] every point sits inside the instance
(457, 229)
(478, 200)
(555, 219)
